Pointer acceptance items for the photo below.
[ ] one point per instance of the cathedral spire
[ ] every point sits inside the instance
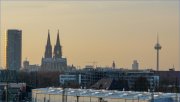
(58, 41)
(57, 48)
(48, 39)
(48, 51)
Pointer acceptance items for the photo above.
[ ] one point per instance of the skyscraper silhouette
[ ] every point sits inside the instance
(13, 49)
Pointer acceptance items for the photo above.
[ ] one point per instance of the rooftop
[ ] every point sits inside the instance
(112, 94)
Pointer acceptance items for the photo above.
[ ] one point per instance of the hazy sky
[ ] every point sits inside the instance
(100, 31)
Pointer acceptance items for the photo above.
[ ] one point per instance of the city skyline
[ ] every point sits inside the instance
(97, 31)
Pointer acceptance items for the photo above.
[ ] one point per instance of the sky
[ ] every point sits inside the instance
(100, 31)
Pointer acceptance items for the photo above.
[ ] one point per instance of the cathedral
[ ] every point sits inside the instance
(53, 61)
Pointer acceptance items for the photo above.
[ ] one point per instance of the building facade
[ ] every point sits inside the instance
(70, 78)
(13, 49)
(90, 95)
(8, 75)
(53, 61)
(27, 67)
(135, 65)
(90, 76)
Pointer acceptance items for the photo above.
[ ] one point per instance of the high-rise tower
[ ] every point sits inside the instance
(13, 49)
(157, 48)
(48, 51)
(57, 48)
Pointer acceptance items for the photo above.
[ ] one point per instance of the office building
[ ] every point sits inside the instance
(13, 49)
(90, 76)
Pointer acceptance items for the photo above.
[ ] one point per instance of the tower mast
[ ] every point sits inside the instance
(157, 48)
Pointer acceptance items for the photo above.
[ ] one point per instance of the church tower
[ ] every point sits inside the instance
(48, 51)
(57, 48)
(53, 62)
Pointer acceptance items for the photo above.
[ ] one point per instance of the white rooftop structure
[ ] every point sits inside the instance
(90, 95)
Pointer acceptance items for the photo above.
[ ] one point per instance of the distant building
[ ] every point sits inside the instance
(70, 78)
(89, 95)
(53, 62)
(30, 68)
(8, 75)
(135, 65)
(169, 78)
(14, 91)
(90, 76)
(25, 63)
(111, 84)
(13, 49)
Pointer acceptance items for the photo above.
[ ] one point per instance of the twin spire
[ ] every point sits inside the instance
(48, 40)
(57, 48)
(58, 41)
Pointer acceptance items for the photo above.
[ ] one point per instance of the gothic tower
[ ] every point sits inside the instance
(57, 48)
(48, 51)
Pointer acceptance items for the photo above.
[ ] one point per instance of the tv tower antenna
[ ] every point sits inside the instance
(157, 47)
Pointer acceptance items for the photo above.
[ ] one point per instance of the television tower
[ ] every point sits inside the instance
(157, 47)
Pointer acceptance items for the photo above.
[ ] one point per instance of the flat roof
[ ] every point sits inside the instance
(112, 94)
